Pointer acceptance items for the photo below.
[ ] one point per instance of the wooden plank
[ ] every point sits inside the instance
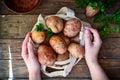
(15, 48)
(12, 26)
(55, 79)
(3, 68)
(16, 26)
(48, 79)
(51, 6)
(80, 71)
(46, 7)
(110, 48)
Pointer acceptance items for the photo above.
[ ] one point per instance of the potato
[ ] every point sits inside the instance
(90, 12)
(46, 55)
(55, 23)
(72, 27)
(66, 39)
(76, 50)
(62, 57)
(75, 39)
(38, 36)
(58, 44)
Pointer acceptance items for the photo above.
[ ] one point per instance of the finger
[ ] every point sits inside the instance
(95, 34)
(87, 37)
(24, 46)
(30, 49)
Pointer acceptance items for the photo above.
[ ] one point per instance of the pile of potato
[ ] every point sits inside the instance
(65, 41)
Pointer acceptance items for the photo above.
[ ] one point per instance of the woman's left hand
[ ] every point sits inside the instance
(30, 59)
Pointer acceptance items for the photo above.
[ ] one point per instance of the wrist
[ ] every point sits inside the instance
(91, 61)
(34, 75)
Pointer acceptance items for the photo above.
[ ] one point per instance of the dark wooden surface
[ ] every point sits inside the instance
(13, 28)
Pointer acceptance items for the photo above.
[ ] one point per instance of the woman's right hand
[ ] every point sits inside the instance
(93, 45)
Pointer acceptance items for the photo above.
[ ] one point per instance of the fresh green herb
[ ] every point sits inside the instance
(104, 5)
(117, 30)
(98, 4)
(102, 16)
(97, 18)
(49, 33)
(39, 27)
(106, 31)
(106, 21)
(116, 17)
(82, 3)
(94, 5)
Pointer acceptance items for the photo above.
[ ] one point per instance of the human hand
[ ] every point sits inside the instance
(92, 46)
(30, 59)
(91, 53)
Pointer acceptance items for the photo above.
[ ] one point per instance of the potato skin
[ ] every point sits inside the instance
(55, 23)
(90, 12)
(75, 39)
(72, 27)
(62, 57)
(65, 38)
(46, 55)
(76, 50)
(58, 44)
(38, 36)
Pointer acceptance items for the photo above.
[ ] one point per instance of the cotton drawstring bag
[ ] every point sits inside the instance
(62, 68)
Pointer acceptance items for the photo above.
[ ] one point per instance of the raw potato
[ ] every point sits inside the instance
(72, 27)
(66, 39)
(58, 44)
(62, 57)
(75, 39)
(76, 50)
(38, 36)
(55, 23)
(46, 55)
(90, 12)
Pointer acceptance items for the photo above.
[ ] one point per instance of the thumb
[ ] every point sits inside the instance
(87, 37)
(30, 49)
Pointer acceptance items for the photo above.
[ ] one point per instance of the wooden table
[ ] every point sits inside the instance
(13, 28)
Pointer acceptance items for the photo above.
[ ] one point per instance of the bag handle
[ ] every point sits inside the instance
(66, 11)
(62, 72)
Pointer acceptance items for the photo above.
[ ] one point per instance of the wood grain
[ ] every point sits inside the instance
(52, 6)
(111, 67)
(49, 79)
(13, 28)
(16, 26)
